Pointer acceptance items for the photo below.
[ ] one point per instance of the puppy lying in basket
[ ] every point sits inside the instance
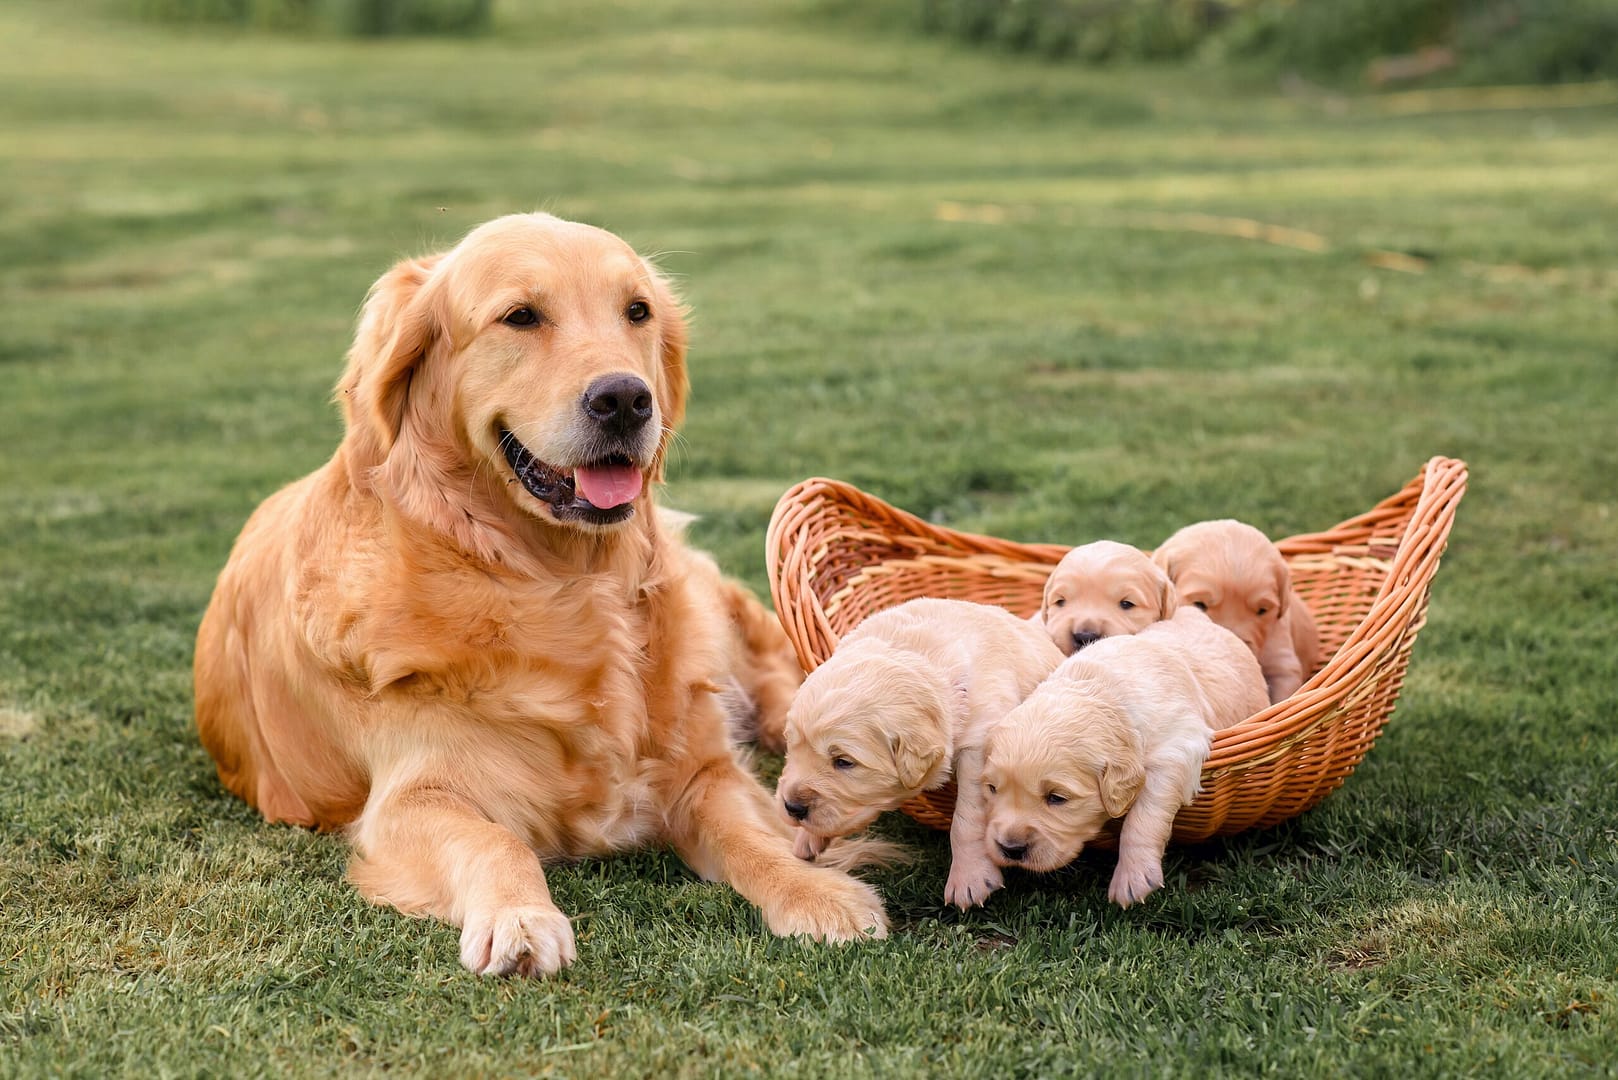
(1120, 729)
(1233, 572)
(1103, 589)
(901, 706)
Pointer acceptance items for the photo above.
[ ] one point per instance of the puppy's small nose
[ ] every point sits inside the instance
(1014, 852)
(796, 810)
(1081, 638)
(619, 403)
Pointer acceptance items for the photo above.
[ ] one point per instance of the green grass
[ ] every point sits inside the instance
(189, 221)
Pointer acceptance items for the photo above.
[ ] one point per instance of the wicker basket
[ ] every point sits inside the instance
(836, 555)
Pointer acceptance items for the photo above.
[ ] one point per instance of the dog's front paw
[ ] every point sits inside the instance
(806, 845)
(971, 881)
(1135, 880)
(827, 905)
(532, 940)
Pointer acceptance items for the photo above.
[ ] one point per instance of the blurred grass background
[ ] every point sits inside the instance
(1048, 300)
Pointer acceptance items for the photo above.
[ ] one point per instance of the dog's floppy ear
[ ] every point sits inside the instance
(1283, 586)
(674, 379)
(396, 328)
(1123, 763)
(1122, 777)
(913, 762)
(1168, 597)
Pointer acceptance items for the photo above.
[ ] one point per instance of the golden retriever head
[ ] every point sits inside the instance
(1231, 571)
(868, 729)
(534, 373)
(1103, 589)
(1057, 769)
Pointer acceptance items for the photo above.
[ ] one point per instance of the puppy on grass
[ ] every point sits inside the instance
(1233, 572)
(1103, 589)
(1120, 729)
(901, 707)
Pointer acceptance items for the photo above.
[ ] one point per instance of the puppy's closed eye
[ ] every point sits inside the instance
(840, 762)
(1055, 799)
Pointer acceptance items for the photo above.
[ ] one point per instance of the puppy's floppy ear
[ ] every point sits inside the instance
(911, 760)
(1283, 585)
(1163, 557)
(915, 754)
(675, 382)
(1168, 597)
(397, 326)
(1121, 781)
(1123, 763)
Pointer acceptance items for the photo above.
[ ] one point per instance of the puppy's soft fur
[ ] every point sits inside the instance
(1121, 729)
(1233, 572)
(1102, 589)
(470, 641)
(901, 706)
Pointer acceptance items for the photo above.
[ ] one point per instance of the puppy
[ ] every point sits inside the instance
(1233, 572)
(1103, 589)
(901, 706)
(1120, 729)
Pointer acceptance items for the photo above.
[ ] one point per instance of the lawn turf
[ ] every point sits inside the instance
(1002, 294)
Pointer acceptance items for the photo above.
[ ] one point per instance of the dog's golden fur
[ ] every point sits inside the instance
(1120, 729)
(901, 707)
(415, 645)
(1233, 572)
(1102, 589)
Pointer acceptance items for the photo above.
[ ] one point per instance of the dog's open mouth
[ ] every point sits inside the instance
(601, 493)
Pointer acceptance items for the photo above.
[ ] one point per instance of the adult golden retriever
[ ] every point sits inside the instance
(470, 641)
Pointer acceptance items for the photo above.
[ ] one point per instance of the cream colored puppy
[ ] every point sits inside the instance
(1121, 729)
(900, 708)
(1233, 572)
(1103, 589)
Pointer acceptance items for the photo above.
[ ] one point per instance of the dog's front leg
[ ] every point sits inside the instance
(430, 851)
(972, 875)
(722, 824)
(1143, 838)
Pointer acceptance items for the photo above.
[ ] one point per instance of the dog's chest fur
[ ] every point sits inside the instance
(562, 707)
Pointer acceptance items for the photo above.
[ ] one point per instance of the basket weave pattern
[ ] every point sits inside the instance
(836, 555)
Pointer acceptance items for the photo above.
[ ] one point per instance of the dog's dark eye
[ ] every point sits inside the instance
(638, 311)
(991, 787)
(1058, 602)
(841, 763)
(1127, 605)
(1261, 611)
(1053, 799)
(1200, 606)
(523, 316)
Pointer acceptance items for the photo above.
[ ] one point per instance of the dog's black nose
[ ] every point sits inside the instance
(619, 403)
(1014, 852)
(1081, 638)
(797, 810)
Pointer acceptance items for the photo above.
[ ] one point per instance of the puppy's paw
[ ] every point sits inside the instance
(971, 881)
(532, 940)
(827, 905)
(806, 845)
(1135, 880)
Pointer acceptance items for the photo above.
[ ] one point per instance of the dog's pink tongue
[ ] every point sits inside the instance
(607, 486)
